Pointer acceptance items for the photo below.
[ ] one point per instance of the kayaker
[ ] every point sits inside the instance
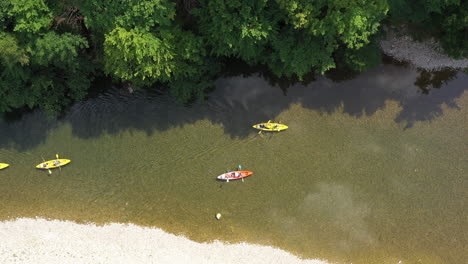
(56, 162)
(44, 165)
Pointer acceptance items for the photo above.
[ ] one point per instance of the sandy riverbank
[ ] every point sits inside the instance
(52, 241)
(426, 55)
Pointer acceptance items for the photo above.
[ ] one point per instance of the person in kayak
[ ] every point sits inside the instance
(56, 162)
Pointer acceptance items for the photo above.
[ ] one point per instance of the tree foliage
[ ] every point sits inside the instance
(348, 22)
(145, 46)
(238, 28)
(292, 37)
(30, 16)
(39, 67)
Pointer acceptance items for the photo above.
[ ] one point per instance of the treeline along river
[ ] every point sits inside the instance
(371, 170)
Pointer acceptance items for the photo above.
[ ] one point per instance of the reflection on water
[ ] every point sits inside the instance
(360, 176)
(428, 80)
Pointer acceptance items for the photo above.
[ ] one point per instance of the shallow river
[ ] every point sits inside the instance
(371, 170)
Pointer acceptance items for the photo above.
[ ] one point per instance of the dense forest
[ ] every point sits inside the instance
(52, 50)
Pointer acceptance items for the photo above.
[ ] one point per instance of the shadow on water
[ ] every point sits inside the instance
(244, 96)
(23, 130)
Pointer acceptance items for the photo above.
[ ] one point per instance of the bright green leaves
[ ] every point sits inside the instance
(62, 74)
(104, 16)
(298, 13)
(3, 14)
(350, 22)
(99, 16)
(137, 55)
(238, 28)
(146, 46)
(147, 14)
(10, 52)
(292, 37)
(30, 16)
(145, 57)
(39, 67)
(58, 50)
(296, 55)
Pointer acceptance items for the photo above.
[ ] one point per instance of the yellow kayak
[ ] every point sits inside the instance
(270, 126)
(3, 165)
(50, 164)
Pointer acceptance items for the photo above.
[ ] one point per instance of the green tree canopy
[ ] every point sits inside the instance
(144, 45)
(238, 28)
(39, 67)
(292, 37)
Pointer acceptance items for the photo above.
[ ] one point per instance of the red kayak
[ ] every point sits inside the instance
(234, 175)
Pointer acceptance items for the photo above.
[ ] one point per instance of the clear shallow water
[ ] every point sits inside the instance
(372, 170)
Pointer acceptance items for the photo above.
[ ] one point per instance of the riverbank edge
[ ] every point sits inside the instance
(427, 54)
(28, 240)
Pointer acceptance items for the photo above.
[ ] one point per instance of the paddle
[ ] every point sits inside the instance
(239, 167)
(227, 171)
(278, 129)
(260, 132)
(60, 167)
(50, 172)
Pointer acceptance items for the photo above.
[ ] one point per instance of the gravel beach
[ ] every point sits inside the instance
(426, 55)
(51, 241)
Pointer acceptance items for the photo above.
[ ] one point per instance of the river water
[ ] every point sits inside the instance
(371, 170)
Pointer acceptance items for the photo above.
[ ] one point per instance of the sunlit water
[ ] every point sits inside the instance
(371, 170)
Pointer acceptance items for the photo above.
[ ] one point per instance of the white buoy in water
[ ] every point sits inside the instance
(218, 216)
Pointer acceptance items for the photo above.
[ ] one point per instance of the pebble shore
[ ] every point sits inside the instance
(40, 241)
(426, 55)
